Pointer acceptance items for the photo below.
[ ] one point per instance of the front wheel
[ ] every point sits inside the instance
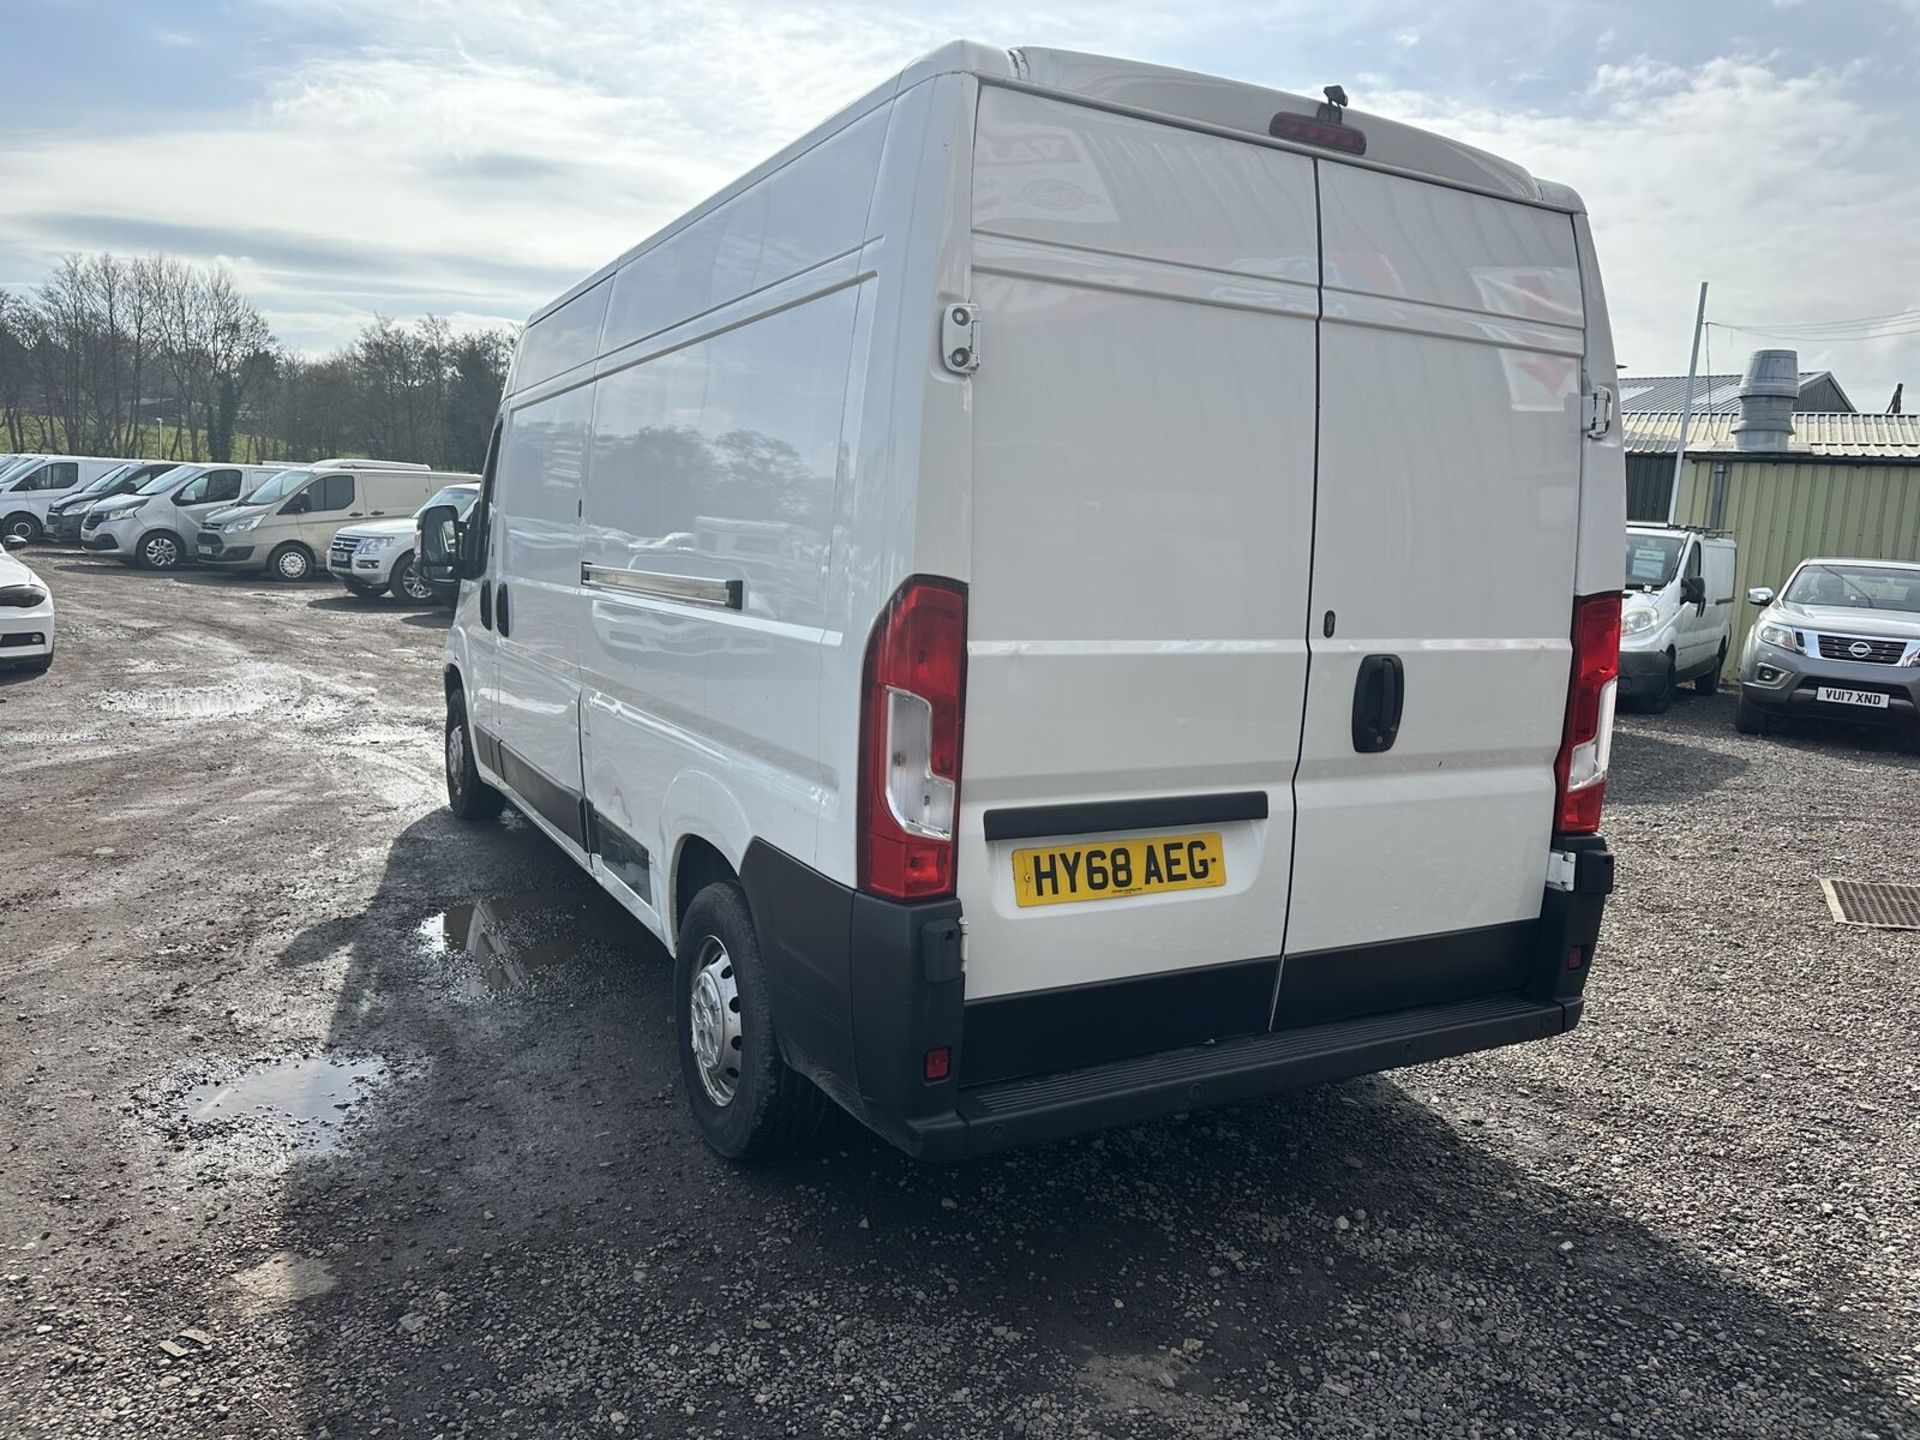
(408, 583)
(21, 525)
(468, 796)
(159, 551)
(745, 1099)
(290, 562)
(1661, 699)
(1750, 719)
(1709, 683)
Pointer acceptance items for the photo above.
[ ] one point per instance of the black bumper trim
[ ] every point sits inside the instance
(1021, 1112)
(1152, 813)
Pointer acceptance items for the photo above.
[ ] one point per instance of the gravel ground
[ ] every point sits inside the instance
(325, 1116)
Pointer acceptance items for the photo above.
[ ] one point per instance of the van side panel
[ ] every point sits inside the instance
(1447, 514)
(716, 460)
(1142, 489)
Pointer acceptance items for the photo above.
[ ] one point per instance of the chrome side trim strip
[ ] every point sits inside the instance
(663, 585)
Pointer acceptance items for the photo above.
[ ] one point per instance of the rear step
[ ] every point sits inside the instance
(1046, 1107)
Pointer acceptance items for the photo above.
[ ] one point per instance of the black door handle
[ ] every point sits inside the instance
(502, 613)
(486, 604)
(1379, 692)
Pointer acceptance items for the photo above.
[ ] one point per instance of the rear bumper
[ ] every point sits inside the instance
(864, 989)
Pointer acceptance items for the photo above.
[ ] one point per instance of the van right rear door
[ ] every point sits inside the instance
(1142, 512)
(1446, 516)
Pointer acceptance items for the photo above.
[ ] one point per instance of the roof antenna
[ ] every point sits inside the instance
(1336, 103)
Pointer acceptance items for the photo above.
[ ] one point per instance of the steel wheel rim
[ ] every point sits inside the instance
(713, 1020)
(162, 552)
(456, 756)
(413, 583)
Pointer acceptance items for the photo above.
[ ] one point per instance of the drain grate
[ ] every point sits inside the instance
(1885, 907)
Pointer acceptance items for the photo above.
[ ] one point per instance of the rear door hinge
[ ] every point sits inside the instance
(1599, 413)
(960, 337)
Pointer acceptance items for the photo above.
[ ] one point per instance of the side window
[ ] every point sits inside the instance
(222, 485)
(330, 493)
(60, 475)
(194, 491)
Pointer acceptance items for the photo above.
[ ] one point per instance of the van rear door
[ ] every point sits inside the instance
(1141, 513)
(1447, 512)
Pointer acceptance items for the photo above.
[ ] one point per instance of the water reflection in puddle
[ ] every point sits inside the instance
(522, 943)
(304, 1100)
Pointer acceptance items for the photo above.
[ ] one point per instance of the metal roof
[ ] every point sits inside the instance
(1710, 392)
(1840, 437)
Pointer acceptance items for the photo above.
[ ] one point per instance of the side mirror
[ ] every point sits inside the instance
(1693, 590)
(16, 542)
(441, 548)
(298, 505)
(1760, 595)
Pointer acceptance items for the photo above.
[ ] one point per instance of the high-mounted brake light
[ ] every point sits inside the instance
(1326, 134)
(911, 709)
(1586, 744)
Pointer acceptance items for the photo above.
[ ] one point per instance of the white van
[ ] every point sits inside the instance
(995, 591)
(287, 526)
(29, 487)
(1676, 620)
(154, 525)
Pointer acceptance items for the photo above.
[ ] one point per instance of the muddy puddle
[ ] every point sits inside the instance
(301, 1104)
(529, 945)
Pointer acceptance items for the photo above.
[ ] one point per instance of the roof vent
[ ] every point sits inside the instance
(1768, 392)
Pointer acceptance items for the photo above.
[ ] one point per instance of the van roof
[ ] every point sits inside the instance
(1182, 97)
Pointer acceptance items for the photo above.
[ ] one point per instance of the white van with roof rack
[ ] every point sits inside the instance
(985, 590)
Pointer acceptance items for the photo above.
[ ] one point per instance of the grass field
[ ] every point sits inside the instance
(156, 442)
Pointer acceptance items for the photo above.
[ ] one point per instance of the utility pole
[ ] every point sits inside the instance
(1686, 406)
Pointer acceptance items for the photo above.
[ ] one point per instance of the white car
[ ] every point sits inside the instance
(378, 555)
(26, 613)
(985, 590)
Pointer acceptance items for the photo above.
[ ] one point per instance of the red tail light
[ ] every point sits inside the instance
(1586, 744)
(911, 709)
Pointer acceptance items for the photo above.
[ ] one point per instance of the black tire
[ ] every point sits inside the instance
(159, 550)
(771, 1109)
(1750, 719)
(291, 562)
(1658, 702)
(1709, 683)
(362, 589)
(468, 796)
(24, 524)
(408, 585)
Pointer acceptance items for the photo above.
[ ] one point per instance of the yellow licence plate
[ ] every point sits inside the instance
(1114, 869)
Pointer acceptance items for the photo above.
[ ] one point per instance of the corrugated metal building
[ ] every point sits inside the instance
(1818, 391)
(1846, 484)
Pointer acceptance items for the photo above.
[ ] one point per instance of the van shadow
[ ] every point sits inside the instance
(1649, 770)
(530, 1200)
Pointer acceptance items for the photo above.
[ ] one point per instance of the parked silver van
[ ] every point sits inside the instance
(287, 526)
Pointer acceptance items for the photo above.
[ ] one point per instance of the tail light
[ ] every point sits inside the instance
(1586, 744)
(911, 708)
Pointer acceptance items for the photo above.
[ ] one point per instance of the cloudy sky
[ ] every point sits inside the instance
(475, 157)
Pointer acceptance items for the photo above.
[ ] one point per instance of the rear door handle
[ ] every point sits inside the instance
(1379, 693)
(486, 604)
(502, 615)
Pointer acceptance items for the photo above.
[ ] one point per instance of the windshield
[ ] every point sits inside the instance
(279, 487)
(96, 486)
(458, 496)
(16, 465)
(1858, 587)
(1652, 559)
(154, 484)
